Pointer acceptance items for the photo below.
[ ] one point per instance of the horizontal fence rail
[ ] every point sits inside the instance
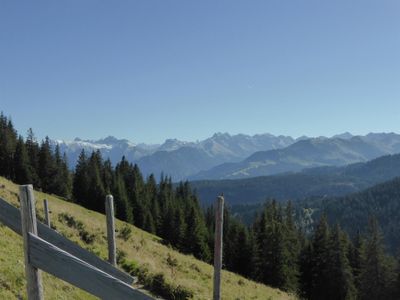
(61, 264)
(11, 217)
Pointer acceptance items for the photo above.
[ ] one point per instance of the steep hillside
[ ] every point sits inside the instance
(323, 181)
(142, 253)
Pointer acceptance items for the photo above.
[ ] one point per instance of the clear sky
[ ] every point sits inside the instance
(150, 70)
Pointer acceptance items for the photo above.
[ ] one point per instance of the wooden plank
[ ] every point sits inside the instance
(11, 217)
(219, 221)
(46, 212)
(34, 284)
(67, 267)
(112, 249)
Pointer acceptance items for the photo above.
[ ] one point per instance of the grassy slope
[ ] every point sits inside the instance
(142, 247)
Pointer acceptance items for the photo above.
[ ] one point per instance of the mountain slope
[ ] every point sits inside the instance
(322, 181)
(144, 253)
(306, 154)
(178, 164)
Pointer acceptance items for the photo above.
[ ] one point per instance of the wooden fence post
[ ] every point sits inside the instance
(219, 220)
(112, 257)
(46, 212)
(28, 222)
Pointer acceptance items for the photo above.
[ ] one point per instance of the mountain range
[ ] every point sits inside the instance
(225, 156)
(313, 182)
(307, 153)
(175, 158)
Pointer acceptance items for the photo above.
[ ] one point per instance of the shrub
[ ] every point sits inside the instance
(121, 256)
(125, 233)
(156, 283)
(70, 221)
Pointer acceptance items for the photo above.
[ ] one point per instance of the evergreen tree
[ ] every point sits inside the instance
(196, 236)
(243, 260)
(136, 193)
(81, 180)
(62, 179)
(32, 148)
(357, 258)
(47, 168)
(22, 172)
(377, 274)
(341, 281)
(292, 241)
(320, 261)
(107, 176)
(123, 211)
(276, 256)
(306, 275)
(178, 228)
(8, 141)
(96, 192)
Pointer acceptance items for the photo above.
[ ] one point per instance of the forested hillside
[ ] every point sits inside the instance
(322, 263)
(353, 211)
(322, 181)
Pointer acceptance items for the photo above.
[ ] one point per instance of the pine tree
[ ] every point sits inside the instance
(22, 172)
(96, 192)
(62, 179)
(243, 260)
(196, 236)
(276, 250)
(320, 261)
(377, 274)
(178, 228)
(306, 265)
(81, 180)
(8, 142)
(123, 211)
(136, 193)
(292, 241)
(341, 281)
(357, 258)
(107, 176)
(32, 148)
(47, 167)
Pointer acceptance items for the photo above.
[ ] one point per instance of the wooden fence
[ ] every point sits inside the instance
(47, 250)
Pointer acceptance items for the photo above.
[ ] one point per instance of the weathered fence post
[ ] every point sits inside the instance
(28, 222)
(112, 257)
(46, 212)
(219, 220)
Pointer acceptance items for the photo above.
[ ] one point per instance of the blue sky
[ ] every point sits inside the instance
(151, 70)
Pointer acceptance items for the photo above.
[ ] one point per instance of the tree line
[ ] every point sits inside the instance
(322, 264)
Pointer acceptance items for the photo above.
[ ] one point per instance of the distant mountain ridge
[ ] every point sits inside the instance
(225, 156)
(307, 153)
(176, 158)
